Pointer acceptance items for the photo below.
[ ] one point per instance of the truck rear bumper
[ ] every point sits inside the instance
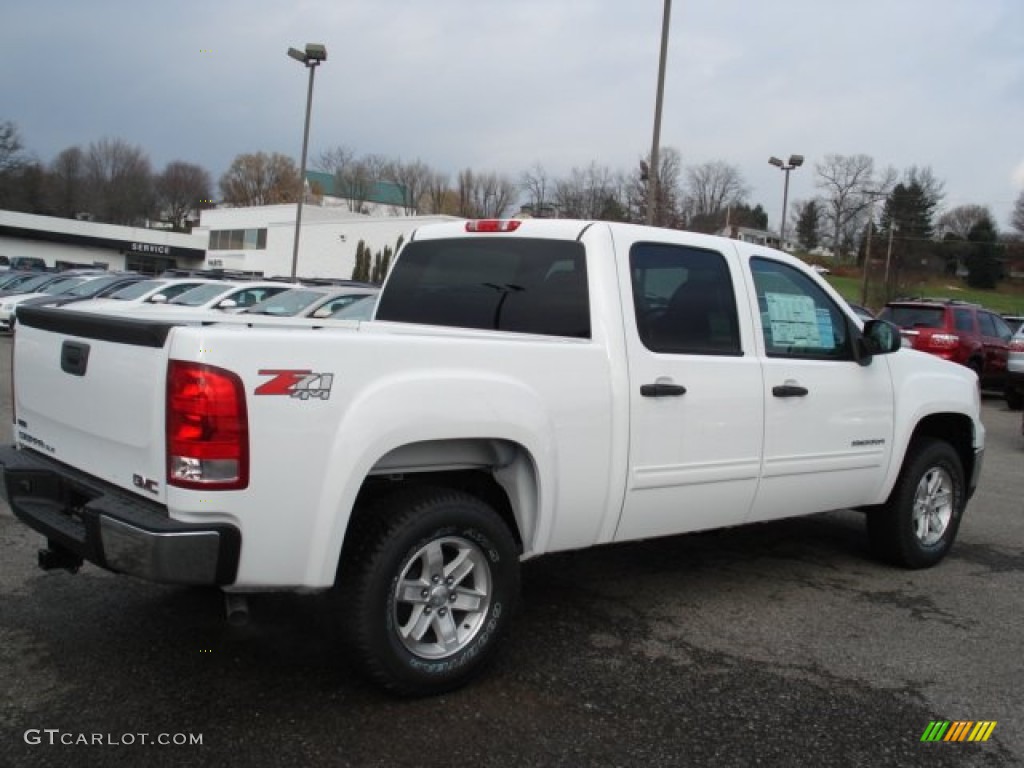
(89, 519)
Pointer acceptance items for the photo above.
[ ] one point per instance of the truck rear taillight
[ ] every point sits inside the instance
(207, 428)
(493, 225)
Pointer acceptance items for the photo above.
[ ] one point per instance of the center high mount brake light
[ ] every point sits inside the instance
(493, 225)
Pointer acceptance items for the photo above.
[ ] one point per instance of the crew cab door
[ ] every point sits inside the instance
(695, 389)
(828, 419)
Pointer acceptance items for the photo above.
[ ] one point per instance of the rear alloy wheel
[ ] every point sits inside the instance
(917, 526)
(430, 586)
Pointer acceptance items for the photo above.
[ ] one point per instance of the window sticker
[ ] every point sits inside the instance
(795, 322)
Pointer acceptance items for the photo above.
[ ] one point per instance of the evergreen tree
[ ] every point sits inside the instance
(375, 275)
(907, 220)
(808, 225)
(983, 269)
(361, 270)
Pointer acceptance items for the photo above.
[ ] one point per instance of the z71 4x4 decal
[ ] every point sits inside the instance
(300, 384)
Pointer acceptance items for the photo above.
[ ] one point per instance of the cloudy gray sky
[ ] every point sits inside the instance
(503, 86)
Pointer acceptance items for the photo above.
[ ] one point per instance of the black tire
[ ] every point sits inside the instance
(442, 628)
(918, 524)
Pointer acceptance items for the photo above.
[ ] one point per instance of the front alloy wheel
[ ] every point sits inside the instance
(933, 506)
(916, 527)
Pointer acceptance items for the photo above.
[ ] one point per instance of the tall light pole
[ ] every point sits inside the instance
(795, 161)
(312, 57)
(652, 173)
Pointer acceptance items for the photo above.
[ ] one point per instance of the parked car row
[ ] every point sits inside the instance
(101, 291)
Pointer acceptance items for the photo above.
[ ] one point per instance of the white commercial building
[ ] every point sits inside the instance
(256, 240)
(262, 239)
(63, 243)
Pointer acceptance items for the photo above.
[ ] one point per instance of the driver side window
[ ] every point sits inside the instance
(798, 319)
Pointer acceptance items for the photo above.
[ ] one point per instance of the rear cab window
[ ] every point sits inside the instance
(914, 317)
(523, 285)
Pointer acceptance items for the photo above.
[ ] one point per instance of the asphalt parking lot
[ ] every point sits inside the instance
(779, 644)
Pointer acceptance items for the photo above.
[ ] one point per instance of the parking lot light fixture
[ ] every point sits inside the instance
(314, 55)
(795, 161)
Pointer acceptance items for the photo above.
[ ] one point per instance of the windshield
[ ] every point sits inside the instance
(9, 281)
(30, 285)
(195, 297)
(92, 287)
(60, 286)
(360, 308)
(137, 290)
(286, 304)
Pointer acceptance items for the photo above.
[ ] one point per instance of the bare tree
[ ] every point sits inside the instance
(594, 192)
(493, 195)
(412, 178)
(120, 182)
(334, 160)
(1017, 218)
(260, 179)
(182, 189)
(850, 187)
(668, 211)
(465, 190)
(439, 194)
(11, 147)
(958, 222)
(68, 183)
(536, 186)
(712, 187)
(483, 195)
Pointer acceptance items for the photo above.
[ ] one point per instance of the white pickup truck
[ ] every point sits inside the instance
(525, 387)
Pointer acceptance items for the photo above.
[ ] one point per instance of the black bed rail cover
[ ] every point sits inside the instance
(120, 330)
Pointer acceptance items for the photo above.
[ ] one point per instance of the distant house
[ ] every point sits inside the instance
(757, 236)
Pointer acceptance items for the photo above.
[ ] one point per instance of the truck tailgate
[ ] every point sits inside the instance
(89, 392)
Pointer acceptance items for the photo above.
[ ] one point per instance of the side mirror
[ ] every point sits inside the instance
(158, 299)
(227, 304)
(322, 313)
(881, 337)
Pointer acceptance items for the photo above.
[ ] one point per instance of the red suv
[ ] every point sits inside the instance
(955, 330)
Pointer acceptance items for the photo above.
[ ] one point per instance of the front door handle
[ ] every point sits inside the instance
(662, 390)
(789, 390)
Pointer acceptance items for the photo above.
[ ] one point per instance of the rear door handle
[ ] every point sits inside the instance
(662, 390)
(789, 390)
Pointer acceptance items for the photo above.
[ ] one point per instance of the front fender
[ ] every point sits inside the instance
(926, 387)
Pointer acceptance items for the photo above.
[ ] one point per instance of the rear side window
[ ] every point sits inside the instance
(518, 284)
(963, 320)
(684, 300)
